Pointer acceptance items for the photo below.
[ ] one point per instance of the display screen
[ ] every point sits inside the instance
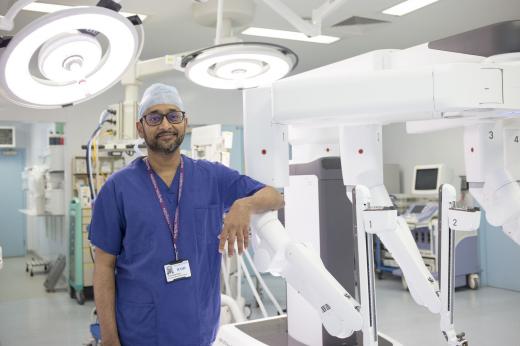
(6, 136)
(417, 209)
(426, 179)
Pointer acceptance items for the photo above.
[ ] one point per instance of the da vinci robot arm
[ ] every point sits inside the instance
(304, 271)
(360, 94)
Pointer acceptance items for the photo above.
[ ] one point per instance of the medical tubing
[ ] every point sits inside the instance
(252, 286)
(263, 284)
(225, 274)
(239, 275)
(102, 119)
(238, 316)
(88, 158)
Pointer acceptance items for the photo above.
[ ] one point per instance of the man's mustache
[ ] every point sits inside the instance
(163, 133)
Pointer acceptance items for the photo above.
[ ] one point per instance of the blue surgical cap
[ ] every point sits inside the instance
(157, 94)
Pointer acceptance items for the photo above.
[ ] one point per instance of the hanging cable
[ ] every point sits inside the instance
(105, 116)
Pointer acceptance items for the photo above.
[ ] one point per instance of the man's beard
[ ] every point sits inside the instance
(156, 145)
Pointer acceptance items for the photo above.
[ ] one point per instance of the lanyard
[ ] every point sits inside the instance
(174, 228)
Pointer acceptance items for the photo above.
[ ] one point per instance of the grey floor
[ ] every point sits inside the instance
(30, 316)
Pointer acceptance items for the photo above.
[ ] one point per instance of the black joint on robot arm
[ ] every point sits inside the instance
(4, 41)
(135, 20)
(110, 4)
(111, 111)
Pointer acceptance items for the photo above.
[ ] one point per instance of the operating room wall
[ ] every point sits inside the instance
(409, 150)
(15, 219)
(499, 256)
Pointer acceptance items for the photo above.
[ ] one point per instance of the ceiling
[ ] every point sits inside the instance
(170, 28)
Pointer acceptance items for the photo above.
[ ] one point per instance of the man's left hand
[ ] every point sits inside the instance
(236, 228)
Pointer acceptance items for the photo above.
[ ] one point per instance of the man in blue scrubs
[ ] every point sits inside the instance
(158, 228)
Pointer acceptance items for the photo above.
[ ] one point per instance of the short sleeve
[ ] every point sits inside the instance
(233, 185)
(106, 227)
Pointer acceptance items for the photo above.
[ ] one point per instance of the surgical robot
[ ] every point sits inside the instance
(470, 80)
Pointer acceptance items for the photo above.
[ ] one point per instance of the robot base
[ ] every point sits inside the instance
(271, 331)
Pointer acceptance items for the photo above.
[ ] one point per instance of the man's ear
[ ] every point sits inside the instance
(140, 129)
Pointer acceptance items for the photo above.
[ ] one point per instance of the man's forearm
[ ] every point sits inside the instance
(263, 200)
(104, 292)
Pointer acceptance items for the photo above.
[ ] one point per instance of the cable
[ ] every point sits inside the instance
(104, 117)
(263, 284)
(252, 287)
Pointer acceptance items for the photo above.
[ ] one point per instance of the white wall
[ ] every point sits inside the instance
(408, 150)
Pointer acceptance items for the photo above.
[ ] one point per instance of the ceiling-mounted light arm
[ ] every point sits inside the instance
(295, 20)
(224, 27)
(310, 29)
(319, 14)
(7, 21)
(220, 21)
(162, 64)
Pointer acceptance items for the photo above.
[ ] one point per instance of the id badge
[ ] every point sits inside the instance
(177, 270)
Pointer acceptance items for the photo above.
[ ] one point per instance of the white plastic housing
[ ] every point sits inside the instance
(378, 221)
(311, 143)
(362, 155)
(302, 198)
(304, 271)
(464, 220)
(512, 149)
(379, 87)
(266, 145)
(207, 142)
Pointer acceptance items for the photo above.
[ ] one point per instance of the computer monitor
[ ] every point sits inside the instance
(427, 179)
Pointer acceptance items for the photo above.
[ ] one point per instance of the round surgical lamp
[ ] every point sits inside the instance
(240, 65)
(71, 65)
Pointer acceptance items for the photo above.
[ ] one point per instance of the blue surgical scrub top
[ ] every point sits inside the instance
(128, 223)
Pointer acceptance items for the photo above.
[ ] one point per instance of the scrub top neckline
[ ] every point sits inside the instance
(173, 188)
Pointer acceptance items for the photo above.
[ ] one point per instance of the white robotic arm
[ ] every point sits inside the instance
(491, 183)
(304, 271)
(362, 163)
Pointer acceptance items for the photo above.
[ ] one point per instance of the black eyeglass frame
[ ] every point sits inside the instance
(144, 117)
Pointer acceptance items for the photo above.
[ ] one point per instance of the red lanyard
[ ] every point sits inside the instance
(174, 228)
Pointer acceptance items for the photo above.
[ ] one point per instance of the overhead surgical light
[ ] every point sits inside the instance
(240, 65)
(71, 64)
(230, 63)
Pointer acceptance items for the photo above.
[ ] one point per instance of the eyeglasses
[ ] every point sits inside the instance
(156, 118)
